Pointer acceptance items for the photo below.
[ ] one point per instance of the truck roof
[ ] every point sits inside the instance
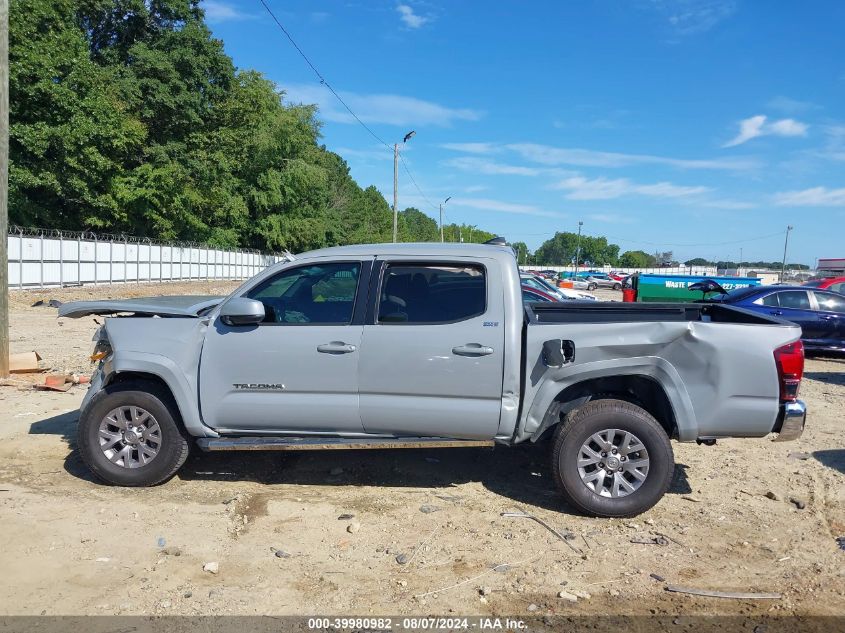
(412, 249)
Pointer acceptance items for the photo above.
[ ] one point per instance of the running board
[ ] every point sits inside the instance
(330, 443)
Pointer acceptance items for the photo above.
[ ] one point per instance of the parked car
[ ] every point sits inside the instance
(820, 313)
(530, 293)
(605, 281)
(561, 293)
(398, 345)
(576, 282)
(834, 284)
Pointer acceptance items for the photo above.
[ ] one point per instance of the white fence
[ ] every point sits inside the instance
(42, 259)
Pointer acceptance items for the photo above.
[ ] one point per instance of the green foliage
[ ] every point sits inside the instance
(563, 247)
(522, 252)
(128, 116)
(637, 259)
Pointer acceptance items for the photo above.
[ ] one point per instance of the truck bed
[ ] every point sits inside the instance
(618, 312)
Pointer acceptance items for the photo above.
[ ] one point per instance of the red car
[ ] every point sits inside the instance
(533, 294)
(834, 284)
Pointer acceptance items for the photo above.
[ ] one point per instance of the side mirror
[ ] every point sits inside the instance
(242, 311)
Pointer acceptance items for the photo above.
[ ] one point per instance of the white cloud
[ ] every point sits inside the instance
(730, 205)
(791, 106)
(490, 168)
(755, 126)
(687, 17)
(472, 148)
(217, 11)
(548, 155)
(613, 218)
(486, 204)
(475, 188)
(388, 109)
(814, 197)
(581, 188)
(409, 18)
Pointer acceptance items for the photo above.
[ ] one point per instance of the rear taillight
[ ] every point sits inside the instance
(790, 363)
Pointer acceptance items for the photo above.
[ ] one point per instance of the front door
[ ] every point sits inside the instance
(433, 350)
(297, 370)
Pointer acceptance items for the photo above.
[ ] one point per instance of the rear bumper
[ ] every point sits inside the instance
(790, 422)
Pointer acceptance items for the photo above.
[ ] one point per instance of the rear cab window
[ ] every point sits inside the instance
(431, 293)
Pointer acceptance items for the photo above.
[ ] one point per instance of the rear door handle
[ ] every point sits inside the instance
(776, 312)
(472, 349)
(336, 347)
(828, 317)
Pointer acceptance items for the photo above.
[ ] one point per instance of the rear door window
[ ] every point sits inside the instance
(829, 302)
(794, 299)
(431, 293)
(770, 300)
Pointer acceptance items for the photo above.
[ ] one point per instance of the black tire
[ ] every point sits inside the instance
(172, 451)
(592, 286)
(597, 416)
(617, 286)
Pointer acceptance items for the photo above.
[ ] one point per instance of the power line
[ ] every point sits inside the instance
(322, 79)
(325, 82)
(413, 180)
(630, 241)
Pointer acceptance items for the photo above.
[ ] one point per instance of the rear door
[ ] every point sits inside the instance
(796, 306)
(432, 353)
(831, 315)
(298, 370)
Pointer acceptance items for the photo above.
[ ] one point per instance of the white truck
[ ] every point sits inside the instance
(397, 345)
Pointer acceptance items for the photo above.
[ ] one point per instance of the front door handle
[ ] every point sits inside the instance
(775, 312)
(336, 347)
(472, 349)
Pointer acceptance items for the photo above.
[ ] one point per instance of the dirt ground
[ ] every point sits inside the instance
(74, 546)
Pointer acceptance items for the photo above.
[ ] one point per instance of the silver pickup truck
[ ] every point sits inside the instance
(402, 345)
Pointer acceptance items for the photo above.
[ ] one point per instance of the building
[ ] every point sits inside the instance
(831, 267)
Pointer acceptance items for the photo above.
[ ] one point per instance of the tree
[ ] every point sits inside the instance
(562, 248)
(697, 261)
(636, 259)
(416, 226)
(522, 252)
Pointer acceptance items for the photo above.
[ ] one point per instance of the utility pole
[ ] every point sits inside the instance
(4, 188)
(578, 248)
(441, 216)
(405, 139)
(783, 264)
(740, 259)
(395, 191)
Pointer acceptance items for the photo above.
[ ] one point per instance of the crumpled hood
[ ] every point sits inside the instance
(174, 306)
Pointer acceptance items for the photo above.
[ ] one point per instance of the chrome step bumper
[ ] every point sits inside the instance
(791, 420)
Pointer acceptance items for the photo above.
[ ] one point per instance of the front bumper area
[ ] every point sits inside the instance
(791, 419)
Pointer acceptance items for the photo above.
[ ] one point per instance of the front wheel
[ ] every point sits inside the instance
(129, 436)
(611, 458)
(592, 286)
(617, 286)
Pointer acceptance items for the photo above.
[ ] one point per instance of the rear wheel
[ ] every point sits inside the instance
(617, 286)
(129, 436)
(611, 458)
(592, 286)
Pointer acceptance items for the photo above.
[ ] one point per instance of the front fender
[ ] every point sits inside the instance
(167, 370)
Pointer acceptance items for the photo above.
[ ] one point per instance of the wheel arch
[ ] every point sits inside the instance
(163, 372)
(639, 389)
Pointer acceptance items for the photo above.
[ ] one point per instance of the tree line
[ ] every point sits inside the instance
(564, 247)
(128, 117)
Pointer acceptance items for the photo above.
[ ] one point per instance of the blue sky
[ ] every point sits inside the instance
(697, 126)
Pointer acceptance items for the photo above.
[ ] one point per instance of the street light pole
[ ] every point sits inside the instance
(785, 242)
(441, 216)
(578, 248)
